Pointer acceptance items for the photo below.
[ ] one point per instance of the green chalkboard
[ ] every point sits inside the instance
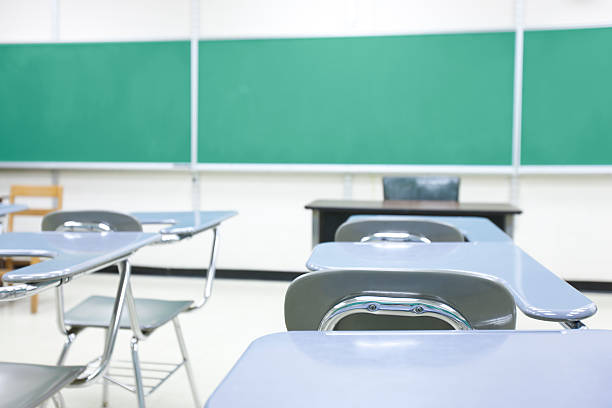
(422, 99)
(567, 97)
(106, 102)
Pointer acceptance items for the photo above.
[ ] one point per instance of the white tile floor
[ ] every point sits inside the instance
(216, 335)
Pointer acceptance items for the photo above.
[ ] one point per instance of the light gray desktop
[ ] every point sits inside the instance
(506, 369)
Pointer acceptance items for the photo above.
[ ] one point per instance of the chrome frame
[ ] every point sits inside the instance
(10, 293)
(573, 325)
(58, 400)
(77, 226)
(99, 365)
(393, 306)
(391, 236)
(210, 274)
(137, 334)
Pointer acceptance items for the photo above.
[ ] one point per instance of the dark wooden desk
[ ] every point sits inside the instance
(328, 215)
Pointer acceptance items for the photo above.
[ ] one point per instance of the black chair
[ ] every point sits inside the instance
(441, 188)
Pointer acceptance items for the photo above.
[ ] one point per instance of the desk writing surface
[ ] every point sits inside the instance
(71, 253)
(538, 292)
(475, 229)
(421, 369)
(413, 205)
(184, 222)
(11, 208)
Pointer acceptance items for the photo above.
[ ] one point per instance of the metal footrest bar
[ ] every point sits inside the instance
(153, 373)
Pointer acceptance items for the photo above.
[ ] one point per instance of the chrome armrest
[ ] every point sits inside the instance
(393, 306)
(395, 237)
(9, 293)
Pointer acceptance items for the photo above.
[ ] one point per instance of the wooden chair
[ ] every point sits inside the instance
(55, 192)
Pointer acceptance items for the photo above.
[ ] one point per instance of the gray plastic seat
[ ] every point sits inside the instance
(381, 228)
(96, 311)
(440, 188)
(397, 300)
(29, 385)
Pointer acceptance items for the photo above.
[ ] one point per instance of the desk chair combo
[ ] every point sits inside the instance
(366, 284)
(498, 273)
(18, 192)
(145, 315)
(425, 229)
(337, 354)
(71, 255)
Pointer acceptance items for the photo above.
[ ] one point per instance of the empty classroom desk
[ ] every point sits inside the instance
(146, 315)
(506, 369)
(432, 228)
(186, 224)
(538, 293)
(71, 255)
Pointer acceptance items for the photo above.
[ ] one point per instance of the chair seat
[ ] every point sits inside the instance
(95, 311)
(28, 385)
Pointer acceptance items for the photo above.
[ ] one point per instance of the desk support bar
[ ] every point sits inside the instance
(574, 325)
(113, 328)
(131, 303)
(393, 306)
(210, 276)
(10, 293)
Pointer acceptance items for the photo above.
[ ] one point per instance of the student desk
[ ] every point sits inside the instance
(474, 229)
(422, 369)
(71, 254)
(327, 215)
(184, 223)
(538, 292)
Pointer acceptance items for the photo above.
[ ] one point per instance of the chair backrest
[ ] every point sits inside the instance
(440, 188)
(55, 192)
(90, 221)
(397, 300)
(393, 228)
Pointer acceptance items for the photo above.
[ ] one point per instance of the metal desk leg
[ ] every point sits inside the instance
(70, 337)
(58, 400)
(509, 224)
(186, 362)
(137, 373)
(105, 390)
(210, 275)
(316, 221)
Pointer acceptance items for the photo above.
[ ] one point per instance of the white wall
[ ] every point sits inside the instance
(565, 220)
